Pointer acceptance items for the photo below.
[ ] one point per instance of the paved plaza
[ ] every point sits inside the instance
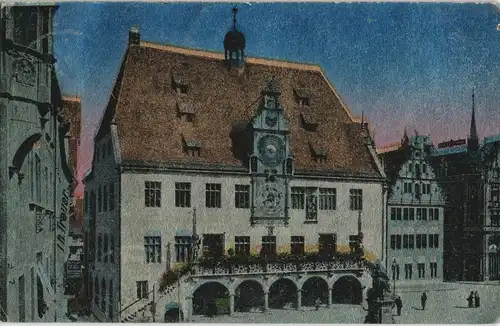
(446, 304)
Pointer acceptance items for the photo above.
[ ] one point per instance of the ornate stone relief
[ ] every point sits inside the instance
(24, 71)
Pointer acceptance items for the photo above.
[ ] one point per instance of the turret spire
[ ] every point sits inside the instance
(235, 12)
(473, 140)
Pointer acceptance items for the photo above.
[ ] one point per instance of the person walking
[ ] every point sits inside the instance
(423, 300)
(399, 304)
(476, 299)
(470, 299)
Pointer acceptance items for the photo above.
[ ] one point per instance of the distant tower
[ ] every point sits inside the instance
(473, 140)
(234, 45)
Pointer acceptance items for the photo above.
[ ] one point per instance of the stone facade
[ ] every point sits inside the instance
(415, 207)
(35, 178)
(141, 215)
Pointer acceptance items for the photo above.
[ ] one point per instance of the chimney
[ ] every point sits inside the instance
(134, 36)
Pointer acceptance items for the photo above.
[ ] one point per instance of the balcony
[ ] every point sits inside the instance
(240, 266)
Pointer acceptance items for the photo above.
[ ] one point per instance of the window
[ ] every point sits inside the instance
(303, 101)
(406, 214)
(25, 26)
(38, 179)
(297, 245)
(410, 167)
(106, 252)
(105, 199)
(398, 213)
(242, 246)
(111, 196)
(433, 268)
(99, 248)
(396, 241)
(411, 241)
(142, 290)
(21, 301)
(356, 196)
(407, 188)
(421, 270)
(412, 213)
(112, 249)
(96, 291)
(103, 296)
(395, 272)
(99, 199)
(298, 198)
(213, 195)
(152, 194)
(213, 245)
(417, 190)
(408, 271)
(436, 214)
(393, 213)
(152, 247)
(495, 218)
(182, 194)
(431, 214)
(406, 241)
(419, 214)
(433, 240)
(182, 249)
(110, 309)
(242, 196)
(424, 241)
(424, 214)
(417, 168)
(327, 244)
(327, 199)
(268, 246)
(45, 31)
(424, 168)
(495, 194)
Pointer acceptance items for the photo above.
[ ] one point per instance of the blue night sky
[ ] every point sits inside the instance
(404, 65)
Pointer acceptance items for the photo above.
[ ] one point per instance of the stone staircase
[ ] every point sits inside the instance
(140, 312)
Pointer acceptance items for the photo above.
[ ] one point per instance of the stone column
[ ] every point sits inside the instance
(330, 297)
(299, 299)
(266, 301)
(231, 304)
(189, 308)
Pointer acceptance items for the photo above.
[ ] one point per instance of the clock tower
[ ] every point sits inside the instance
(271, 163)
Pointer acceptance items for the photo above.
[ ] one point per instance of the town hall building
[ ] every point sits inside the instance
(254, 156)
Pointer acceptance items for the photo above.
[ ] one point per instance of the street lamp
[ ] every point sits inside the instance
(394, 263)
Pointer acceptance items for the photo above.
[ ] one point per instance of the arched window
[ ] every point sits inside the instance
(103, 296)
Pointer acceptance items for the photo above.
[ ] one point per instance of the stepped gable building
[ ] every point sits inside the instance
(36, 176)
(415, 206)
(468, 171)
(262, 152)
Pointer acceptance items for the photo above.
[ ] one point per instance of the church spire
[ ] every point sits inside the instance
(473, 140)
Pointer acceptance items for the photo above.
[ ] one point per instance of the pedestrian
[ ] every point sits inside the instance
(470, 299)
(423, 300)
(476, 299)
(399, 304)
(318, 303)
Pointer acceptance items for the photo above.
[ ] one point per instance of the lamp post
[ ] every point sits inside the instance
(394, 263)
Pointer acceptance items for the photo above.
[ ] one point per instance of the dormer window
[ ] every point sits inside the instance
(192, 147)
(319, 154)
(186, 111)
(270, 102)
(303, 97)
(309, 121)
(179, 84)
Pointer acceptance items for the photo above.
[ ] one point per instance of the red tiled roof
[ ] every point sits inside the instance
(150, 129)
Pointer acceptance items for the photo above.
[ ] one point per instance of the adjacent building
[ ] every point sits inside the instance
(468, 172)
(415, 208)
(35, 174)
(255, 155)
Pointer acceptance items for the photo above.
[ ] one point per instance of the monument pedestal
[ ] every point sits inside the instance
(380, 311)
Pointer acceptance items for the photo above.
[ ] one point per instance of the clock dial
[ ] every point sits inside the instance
(271, 150)
(271, 118)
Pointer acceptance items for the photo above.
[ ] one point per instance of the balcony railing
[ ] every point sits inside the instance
(299, 265)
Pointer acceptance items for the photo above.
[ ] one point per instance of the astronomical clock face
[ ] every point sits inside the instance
(271, 118)
(271, 198)
(271, 150)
